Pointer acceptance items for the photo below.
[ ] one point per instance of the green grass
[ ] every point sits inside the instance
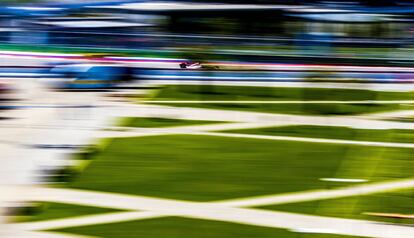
(354, 207)
(174, 227)
(333, 132)
(214, 92)
(49, 211)
(153, 122)
(206, 168)
(299, 109)
(240, 93)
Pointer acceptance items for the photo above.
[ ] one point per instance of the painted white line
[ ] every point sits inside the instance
(283, 102)
(313, 230)
(343, 180)
(392, 114)
(39, 234)
(122, 201)
(315, 195)
(219, 212)
(257, 117)
(88, 220)
(311, 140)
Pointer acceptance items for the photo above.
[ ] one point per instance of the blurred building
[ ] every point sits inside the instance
(137, 23)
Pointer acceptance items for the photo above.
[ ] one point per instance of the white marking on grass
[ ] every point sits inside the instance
(343, 180)
(40, 234)
(314, 230)
(316, 195)
(283, 102)
(88, 220)
(311, 140)
(221, 212)
(392, 114)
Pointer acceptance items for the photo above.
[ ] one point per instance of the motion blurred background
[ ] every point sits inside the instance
(225, 118)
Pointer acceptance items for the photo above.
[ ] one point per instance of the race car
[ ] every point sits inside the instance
(190, 65)
(198, 65)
